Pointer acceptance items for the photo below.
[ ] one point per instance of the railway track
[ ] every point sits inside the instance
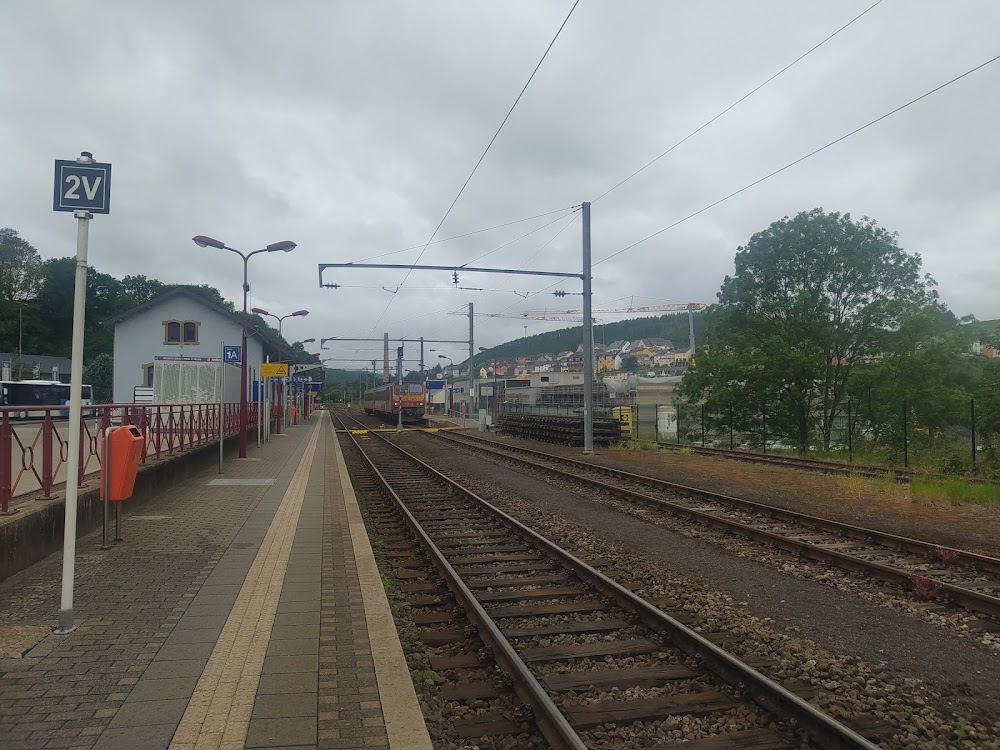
(597, 666)
(822, 466)
(966, 579)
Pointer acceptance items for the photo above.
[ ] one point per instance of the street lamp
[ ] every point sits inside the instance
(496, 395)
(451, 392)
(281, 391)
(285, 246)
(304, 399)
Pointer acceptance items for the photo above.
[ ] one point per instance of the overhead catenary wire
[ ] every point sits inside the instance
(774, 173)
(739, 101)
(523, 236)
(704, 125)
(467, 234)
(485, 152)
(801, 159)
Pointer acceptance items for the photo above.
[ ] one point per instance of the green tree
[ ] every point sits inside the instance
(812, 297)
(630, 363)
(20, 267)
(55, 298)
(100, 373)
(137, 290)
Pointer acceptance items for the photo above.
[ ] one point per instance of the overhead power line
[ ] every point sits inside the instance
(743, 98)
(469, 234)
(483, 156)
(497, 133)
(801, 159)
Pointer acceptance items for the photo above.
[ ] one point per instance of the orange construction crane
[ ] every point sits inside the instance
(679, 307)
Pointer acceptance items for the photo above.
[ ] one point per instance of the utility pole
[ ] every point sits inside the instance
(588, 339)
(691, 326)
(422, 358)
(399, 386)
(385, 358)
(471, 350)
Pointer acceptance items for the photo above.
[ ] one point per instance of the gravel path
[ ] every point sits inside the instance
(944, 671)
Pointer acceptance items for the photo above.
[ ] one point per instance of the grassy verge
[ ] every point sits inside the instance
(955, 490)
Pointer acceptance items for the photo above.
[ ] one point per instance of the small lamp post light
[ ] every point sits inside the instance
(280, 319)
(451, 393)
(285, 246)
(496, 395)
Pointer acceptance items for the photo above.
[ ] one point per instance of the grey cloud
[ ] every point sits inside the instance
(348, 127)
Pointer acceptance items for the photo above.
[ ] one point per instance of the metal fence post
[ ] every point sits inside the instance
(6, 465)
(48, 438)
(678, 424)
(972, 417)
(764, 428)
(906, 446)
(703, 425)
(730, 427)
(656, 423)
(850, 434)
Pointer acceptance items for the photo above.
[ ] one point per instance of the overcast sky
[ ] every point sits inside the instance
(348, 127)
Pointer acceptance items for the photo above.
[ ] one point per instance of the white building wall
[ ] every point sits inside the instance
(140, 338)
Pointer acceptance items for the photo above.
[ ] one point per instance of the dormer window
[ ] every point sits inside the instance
(180, 331)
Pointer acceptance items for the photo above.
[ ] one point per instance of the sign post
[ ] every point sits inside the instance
(84, 187)
(399, 387)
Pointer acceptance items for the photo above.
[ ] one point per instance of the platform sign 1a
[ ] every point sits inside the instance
(232, 354)
(82, 187)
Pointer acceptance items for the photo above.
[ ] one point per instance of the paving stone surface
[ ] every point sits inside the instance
(265, 564)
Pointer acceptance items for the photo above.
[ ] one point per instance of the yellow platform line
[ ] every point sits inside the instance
(218, 714)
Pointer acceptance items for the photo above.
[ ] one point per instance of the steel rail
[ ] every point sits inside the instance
(900, 475)
(822, 729)
(550, 720)
(969, 599)
(832, 467)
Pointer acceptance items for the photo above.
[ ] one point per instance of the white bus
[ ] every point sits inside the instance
(30, 393)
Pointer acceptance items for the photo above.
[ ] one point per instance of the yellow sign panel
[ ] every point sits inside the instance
(274, 370)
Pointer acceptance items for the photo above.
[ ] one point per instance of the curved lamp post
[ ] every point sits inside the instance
(285, 246)
(281, 392)
(304, 402)
(451, 394)
(496, 395)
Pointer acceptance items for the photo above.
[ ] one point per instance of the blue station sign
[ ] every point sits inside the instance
(82, 187)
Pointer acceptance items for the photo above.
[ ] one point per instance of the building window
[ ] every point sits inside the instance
(180, 331)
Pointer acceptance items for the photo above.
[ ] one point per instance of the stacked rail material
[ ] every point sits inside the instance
(565, 430)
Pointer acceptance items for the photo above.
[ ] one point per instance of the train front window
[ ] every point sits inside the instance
(416, 389)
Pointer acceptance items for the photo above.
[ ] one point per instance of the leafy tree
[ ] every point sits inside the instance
(100, 373)
(811, 299)
(20, 266)
(630, 363)
(55, 297)
(137, 290)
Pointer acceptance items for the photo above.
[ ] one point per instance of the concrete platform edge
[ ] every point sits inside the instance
(404, 723)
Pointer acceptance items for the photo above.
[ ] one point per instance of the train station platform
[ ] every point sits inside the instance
(242, 609)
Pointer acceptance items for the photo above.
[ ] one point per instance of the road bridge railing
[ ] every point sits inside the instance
(34, 451)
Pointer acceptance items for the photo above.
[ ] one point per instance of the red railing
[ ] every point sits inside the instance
(33, 452)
